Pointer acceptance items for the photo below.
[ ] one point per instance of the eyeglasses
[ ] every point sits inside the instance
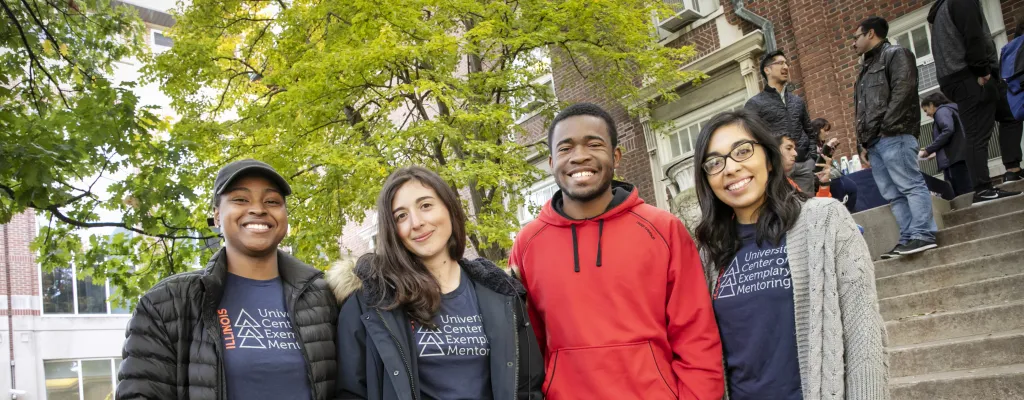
(786, 63)
(714, 165)
(857, 36)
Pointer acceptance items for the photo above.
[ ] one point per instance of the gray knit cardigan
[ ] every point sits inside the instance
(840, 336)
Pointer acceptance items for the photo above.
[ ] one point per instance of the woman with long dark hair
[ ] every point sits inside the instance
(419, 321)
(792, 281)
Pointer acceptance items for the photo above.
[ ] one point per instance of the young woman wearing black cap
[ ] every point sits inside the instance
(255, 323)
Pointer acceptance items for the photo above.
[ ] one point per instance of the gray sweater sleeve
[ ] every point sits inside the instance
(864, 335)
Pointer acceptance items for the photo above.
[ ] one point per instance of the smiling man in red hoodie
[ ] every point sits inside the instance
(616, 290)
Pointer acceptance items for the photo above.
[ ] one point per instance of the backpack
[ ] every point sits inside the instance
(1011, 69)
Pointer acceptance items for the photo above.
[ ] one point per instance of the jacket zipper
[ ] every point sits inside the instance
(302, 345)
(515, 339)
(219, 351)
(408, 367)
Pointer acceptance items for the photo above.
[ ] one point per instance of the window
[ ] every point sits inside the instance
(64, 294)
(680, 140)
(161, 43)
(538, 195)
(913, 32)
(372, 242)
(81, 379)
(919, 40)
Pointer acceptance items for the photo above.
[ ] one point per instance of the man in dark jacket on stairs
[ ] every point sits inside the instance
(786, 114)
(256, 323)
(965, 60)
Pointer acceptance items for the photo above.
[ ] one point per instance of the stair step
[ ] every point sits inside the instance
(988, 227)
(980, 351)
(986, 292)
(954, 324)
(984, 210)
(1006, 242)
(941, 276)
(1016, 186)
(1002, 382)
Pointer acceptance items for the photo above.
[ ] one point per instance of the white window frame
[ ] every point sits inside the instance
(81, 386)
(157, 48)
(74, 298)
(730, 102)
(523, 213)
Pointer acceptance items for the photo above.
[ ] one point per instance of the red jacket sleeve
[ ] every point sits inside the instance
(515, 261)
(692, 330)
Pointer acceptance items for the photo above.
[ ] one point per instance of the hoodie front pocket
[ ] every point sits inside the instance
(619, 371)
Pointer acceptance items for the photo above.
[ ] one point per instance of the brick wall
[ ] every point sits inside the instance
(703, 38)
(572, 87)
(24, 272)
(815, 35)
(1013, 14)
(535, 129)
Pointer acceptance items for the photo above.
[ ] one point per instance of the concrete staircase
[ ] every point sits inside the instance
(955, 315)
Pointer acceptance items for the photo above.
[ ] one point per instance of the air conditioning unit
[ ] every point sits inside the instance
(685, 12)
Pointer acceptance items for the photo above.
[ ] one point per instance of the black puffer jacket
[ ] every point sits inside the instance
(376, 348)
(789, 118)
(886, 95)
(173, 345)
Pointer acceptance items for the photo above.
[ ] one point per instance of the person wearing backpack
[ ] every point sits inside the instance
(947, 146)
(1010, 110)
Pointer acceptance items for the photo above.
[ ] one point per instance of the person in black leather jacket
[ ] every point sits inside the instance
(888, 123)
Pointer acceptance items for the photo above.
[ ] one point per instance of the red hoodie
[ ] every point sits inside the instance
(619, 304)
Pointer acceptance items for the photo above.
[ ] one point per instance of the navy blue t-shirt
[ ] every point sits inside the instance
(753, 303)
(454, 359)
(262, 359)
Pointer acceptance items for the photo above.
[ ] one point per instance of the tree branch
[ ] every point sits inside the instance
(31, 54)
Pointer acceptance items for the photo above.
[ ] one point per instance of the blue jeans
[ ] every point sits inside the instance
(898, 177)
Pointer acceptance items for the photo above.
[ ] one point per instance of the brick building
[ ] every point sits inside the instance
(815, 34)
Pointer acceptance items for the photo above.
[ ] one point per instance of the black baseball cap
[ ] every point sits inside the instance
(246, 167)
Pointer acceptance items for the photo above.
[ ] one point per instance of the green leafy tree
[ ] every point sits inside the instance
(65, 125)
(339, 94)
(336, 95)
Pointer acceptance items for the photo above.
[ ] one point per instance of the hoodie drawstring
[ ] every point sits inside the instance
(575, 250)
(576, 245)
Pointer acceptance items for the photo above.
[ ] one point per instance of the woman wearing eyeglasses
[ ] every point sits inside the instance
(792, 281)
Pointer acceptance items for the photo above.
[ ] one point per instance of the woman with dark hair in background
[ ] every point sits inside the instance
(417, 320)
(948, 142)
(792, 281)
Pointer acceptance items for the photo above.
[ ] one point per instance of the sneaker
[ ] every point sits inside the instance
(914, 246)
(1013, 176)
(891, 253)
(992, 194)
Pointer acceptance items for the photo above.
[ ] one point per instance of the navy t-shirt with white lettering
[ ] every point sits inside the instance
(262, 359)
(753, 302)
(454, 359)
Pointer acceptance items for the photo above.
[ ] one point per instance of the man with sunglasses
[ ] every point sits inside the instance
(786, 115)
(888, 123)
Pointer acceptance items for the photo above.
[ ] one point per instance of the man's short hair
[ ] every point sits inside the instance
(935, 99)
(585, 109)
(767, 59)
(789, 136)
(877, 24)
